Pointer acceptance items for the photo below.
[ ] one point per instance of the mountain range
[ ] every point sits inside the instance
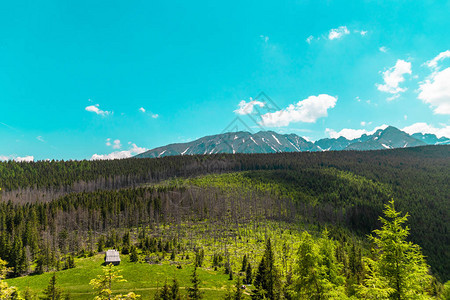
(272, 142)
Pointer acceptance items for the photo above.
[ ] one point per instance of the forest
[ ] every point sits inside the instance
(287, 225)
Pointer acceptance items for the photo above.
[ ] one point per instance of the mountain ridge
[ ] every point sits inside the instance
(272, 142)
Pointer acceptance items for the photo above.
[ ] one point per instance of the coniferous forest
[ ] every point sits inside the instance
(328, 225)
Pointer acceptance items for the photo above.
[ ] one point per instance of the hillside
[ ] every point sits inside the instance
(342, 189)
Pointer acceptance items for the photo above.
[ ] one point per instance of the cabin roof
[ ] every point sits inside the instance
(112, 256)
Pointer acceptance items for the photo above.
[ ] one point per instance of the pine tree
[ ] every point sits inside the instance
(175, 290)
(318, 272)
(267, 281)
(52, 292)
(164, 293)
(248, 274)
(399, 270)
(307, 283)
(194, 292)
(244, 263)
(237, 293)
(134, 255)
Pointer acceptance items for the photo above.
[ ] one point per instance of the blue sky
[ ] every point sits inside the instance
(74, 75)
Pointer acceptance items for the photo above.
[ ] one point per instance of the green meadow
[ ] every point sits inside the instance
(142, 278)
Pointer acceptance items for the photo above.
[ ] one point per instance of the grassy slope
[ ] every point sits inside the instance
(142, 278)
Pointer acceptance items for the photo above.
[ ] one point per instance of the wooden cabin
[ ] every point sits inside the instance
(112, 257)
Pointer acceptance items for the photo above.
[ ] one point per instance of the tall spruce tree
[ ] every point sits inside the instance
(399, 270)
(52, 292)
(267, 281)
(194, 292)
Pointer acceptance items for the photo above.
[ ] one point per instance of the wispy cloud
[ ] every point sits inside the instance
(27, 158)
(40, 138)
(265, 38)
(423, 127)
(352, 134)
(306, 111)
(132, 151)
(383, 49)
(393, 77)
(115, 144)
(246, 108)
(337, 33)
(95, 109)
(143, 110)
(441, 56)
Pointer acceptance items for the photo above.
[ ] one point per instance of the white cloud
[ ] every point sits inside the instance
(95, 109)
(393, 77)
(264, 38)
(405, 117)
(337, 33)
(117, 144)
(434, 62)
(352, 134)
(154, 116)
(40, 138)
(134, 150)
(25, 158)
(309, 39)
(423, 127)
(307, 111)
(247, 108)
(393, 97)
(435, 90)
(28, 158)
(361, 32)
(383, 49)
(363, 123)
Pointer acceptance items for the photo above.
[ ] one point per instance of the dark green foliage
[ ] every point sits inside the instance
(52, 292)
(69, 263)
(175, 290)
(164, 293)
(100, 243)
(194, 291)
(237, 293)
(199, 257)
(248, 274)
(244, 263)
(267, 281)
(134, 257)
(217, 260)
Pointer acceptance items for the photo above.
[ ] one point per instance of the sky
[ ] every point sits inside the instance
(110, 79)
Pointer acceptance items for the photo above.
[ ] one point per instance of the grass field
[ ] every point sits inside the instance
(142, 278)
